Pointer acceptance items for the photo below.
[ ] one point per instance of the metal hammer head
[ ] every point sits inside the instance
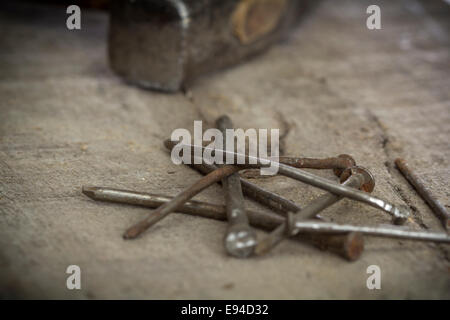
(162, 44)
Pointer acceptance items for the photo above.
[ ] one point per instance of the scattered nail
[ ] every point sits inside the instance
(269, 199)
(391, 232)
(341, 244)
(400, 214)
(181, 198)
(240, 238)
(338, 164)
(438, 209)
(355, 177)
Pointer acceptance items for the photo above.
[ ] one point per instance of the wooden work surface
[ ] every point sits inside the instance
(335, 87)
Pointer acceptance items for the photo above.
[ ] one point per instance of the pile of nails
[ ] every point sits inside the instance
(291, 220)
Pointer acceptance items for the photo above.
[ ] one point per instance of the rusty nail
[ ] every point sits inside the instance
(177, 201)
(438, 209)
(296, 226)
(354, 177)
(345, 245)
(349, 245)
(338, 164)
(400, 214)
(240, 238)
(270, 199)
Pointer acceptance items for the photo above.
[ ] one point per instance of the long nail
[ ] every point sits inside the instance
(269, 199)
(240, 238)
(400, 214)
(338, 164)
(438, 209)
(347, 245)
(355, 177)
(297, 226)
(181, 198)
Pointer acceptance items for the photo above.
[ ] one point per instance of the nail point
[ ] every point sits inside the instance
(131, 233)
(89, 191)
